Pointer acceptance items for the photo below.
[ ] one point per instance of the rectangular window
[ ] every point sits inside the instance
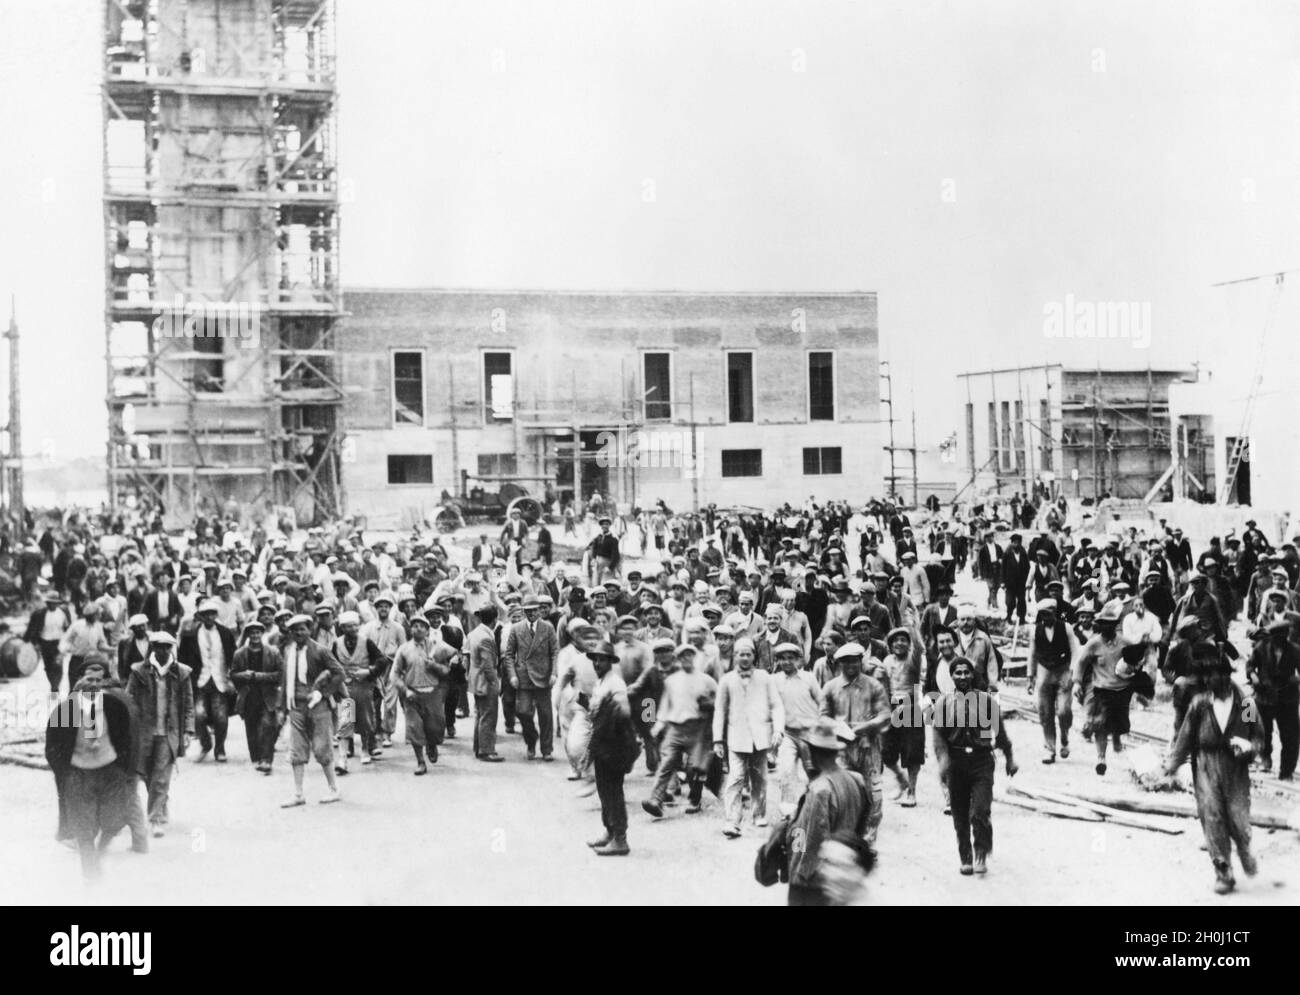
(1045, 432)
(658, 386)
(408, 388)
(821, 386)
(822, 460)
(742, 462)
(412, 469)
(496, 464)
(498, 387)
(740, 388)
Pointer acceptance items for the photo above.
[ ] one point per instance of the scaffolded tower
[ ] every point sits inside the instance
(221, 213)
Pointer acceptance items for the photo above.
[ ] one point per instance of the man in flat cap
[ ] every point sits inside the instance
(684, 707)
(311, 677)
(208, 650)
(256, 673)
(162, 691)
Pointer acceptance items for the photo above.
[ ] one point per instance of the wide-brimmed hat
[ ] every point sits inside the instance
(603, 650)
(823, 735)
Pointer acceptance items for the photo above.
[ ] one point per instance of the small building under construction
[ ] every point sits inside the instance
(1084, 433)
(739, 399)
(221, 255)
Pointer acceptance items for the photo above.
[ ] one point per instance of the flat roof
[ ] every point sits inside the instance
(609, 293)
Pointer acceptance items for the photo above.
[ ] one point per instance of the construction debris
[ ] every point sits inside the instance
(1110, 814)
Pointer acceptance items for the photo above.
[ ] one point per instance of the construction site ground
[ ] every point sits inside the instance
(515, 832)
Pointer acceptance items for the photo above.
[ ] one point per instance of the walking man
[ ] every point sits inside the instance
(1051, 650)
(256, 673)
(680, 720)
(969, 727)
(614, 749)
(418, 674)
(748, 721)
(530, 652)
(311, 677)
(862, 703)
(485, 683)
(162, 691)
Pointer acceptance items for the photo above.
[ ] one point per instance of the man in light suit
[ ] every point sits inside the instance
(485, 684)
(531, 648)
(748, 720)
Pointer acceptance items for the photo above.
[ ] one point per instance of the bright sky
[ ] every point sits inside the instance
(971, 162)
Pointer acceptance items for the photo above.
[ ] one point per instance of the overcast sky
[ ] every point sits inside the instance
(970, 162)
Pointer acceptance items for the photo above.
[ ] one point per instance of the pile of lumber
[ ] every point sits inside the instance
(1136, 813)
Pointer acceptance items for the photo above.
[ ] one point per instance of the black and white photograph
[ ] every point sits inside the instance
(653, 453)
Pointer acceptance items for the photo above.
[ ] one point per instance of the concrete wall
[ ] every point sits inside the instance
(577, 362)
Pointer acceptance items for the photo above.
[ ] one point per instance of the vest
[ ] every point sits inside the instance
(1052, 651)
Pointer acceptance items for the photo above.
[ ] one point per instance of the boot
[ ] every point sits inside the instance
(1248, 862)
(617, 847)
(601, 840)
(981, 865)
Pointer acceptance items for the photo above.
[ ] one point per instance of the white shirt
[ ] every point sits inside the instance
(213, 657)
(1222, 710)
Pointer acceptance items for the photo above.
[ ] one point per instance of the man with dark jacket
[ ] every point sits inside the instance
(162, 691)
(613, 749)
(529, 657)
(90, 744)
(256, 673)
(1015, 575)
(162, 607)
(1274, 671)
(311, 676)
(134, 647)
(45, 629)
(209, 651)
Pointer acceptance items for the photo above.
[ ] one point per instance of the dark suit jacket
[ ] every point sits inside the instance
(188, 651)
(128, 654)
(763, 648)
(254, 677)
(61, 731)
(531, 658)
(484, 677)
(142, 687)
(172, 622)
(37, 622)
(324, 673)
(1015, 567)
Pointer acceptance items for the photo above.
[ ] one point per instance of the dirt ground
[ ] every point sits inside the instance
(514, 833)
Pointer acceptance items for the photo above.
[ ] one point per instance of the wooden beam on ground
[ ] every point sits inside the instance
(1110, 814)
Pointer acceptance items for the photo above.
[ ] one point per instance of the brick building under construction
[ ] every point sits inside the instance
(221, 254)
(1082, 432)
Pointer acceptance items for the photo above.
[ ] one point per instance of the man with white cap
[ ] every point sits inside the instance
(163, 695)
(974, 644)
(311, 677)
(1052, 648)
(134, 646)
(387, 633)
(575, 682)
(209, 651)
(85, 637)
(679, 724)
(419, 672)
(362, 664)
(801, 698)
(861, 703)
(256, 672)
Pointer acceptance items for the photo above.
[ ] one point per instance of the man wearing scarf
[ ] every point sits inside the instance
(163, 694)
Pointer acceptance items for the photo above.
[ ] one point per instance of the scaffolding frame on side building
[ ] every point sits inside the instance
(221, 219)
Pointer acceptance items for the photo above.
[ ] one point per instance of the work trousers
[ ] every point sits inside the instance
(530, 701)
(609, 788)
(53, 667)
(970, 786)
(1016, 601)
(211, 717)
(681, 742)
(157, 761)
(260, 729)
(791, 777)
(1054, 705)
(508, 696)
(742, 769)
(1287, 716)
(485, 723)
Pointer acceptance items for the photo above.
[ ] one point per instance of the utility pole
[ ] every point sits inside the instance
(916, 485)
(15, 477)
(1096, 431)
(455, 445)
(695, 459)
(889, 401)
